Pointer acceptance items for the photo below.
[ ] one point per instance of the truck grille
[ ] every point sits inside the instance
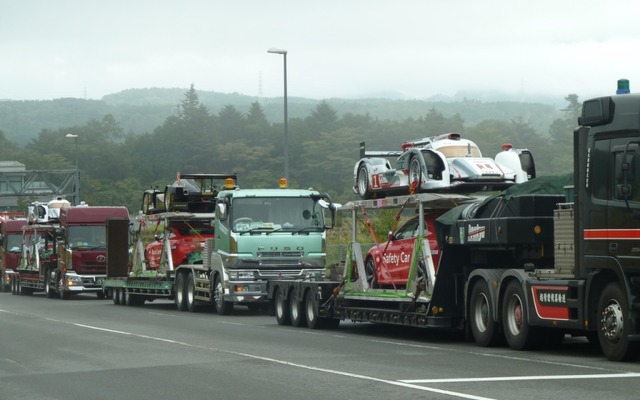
(280, 254)
(94, 268)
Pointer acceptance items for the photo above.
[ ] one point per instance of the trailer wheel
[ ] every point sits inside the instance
(363, 182)
(311, 304)
(190, 294)
(515, 321)
(122, 296)
(115, 295)
(283, 315)
(485, 330)
(179, 295)
(222, 307)
(297, 310)
(614, 324)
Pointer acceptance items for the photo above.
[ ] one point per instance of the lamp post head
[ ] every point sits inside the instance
(273, 50)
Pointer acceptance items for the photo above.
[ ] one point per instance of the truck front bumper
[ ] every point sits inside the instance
(246, 291)
(84, 283)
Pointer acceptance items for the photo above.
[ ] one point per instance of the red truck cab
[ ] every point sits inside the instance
(82, 248)
(11, 249)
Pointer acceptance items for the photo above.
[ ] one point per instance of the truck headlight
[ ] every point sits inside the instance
(74, 280)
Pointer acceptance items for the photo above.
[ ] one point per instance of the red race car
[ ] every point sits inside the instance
(186, 240)
(387, 264)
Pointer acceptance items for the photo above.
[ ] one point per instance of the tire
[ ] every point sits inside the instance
(190, 292)
(362, 181)
(179, 295)
(222, 307)
(415, 171)
(370, 271)
(614, 323)
(100, 295)
(61, 293)
(517, 331)
(13, 286)
(115, 295)
(485, 329)
(49, 289)
(297, 310)
(133, 299)
(283, 313)
(311, 305)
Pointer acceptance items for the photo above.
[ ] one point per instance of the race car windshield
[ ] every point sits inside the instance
(272, 213)
(460, 150)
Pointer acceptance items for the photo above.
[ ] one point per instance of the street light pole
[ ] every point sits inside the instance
(77, 191)
(286, 116)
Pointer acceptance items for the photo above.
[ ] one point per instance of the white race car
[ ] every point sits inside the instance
(444, 163)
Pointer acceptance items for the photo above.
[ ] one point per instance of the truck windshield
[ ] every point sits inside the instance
(86, 236)
(276, 213)
(14, 243)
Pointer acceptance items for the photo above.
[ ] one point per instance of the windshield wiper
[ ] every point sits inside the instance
(306, 229)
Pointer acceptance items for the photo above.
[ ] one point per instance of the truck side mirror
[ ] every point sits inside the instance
(624, 172)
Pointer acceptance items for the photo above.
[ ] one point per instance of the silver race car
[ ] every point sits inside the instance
(444, 163)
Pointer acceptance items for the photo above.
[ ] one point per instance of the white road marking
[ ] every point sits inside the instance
(290, 364)
(524, 378)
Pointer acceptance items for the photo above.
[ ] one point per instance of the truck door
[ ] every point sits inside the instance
(612, 202)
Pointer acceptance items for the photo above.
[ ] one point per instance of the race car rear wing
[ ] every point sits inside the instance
(370, 153)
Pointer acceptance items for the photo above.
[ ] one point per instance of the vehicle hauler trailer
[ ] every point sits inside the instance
(260, 235)
(525, 268)
(39, 260)
(10, 250)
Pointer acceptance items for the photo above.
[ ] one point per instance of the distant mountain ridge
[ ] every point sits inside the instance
(142, 110)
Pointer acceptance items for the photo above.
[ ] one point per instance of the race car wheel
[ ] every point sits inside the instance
(370, 270)
(363, 182)
(415, 171)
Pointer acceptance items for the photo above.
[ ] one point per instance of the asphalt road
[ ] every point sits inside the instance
(85, 348)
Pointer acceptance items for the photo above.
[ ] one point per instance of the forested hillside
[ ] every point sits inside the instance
(118, 163)
(142, 110)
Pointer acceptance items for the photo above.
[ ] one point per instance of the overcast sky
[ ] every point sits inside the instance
(336, 48)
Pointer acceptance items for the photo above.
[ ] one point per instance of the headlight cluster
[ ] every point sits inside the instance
(74, 280)
(241, 275)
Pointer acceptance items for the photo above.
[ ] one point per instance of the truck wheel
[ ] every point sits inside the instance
(485, 330)
(179, 293)
(61, 293)
(296, 310)
(222, 307)
(614, 324)
(49, 290)
(115, 295)
(519, 334)
(190, 294)
(283, 315)
(311, 305)
(363, 182)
